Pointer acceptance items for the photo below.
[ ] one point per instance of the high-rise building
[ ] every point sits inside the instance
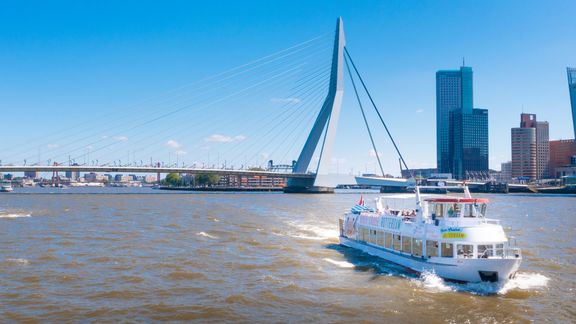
(542, 150)
(73, 175)
(31, 174)
(561, 153)
(530, 148)
(572, 88)
(506, 171)
(461, 130)
(524, 152)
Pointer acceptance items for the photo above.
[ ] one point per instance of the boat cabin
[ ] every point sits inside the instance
(440, 208)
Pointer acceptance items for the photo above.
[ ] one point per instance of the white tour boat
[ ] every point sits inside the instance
(6, 187)
(449, 236)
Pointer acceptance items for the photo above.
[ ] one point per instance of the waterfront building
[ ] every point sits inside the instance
(561, 153)
(469, 144)
(419, 173)
(123, 178)
(542, 150)
(31, 174)
(524, 148)
(572, 88)
(94, 177)
(73, 175)
(461, 130)
(505, 171)
(530, 148)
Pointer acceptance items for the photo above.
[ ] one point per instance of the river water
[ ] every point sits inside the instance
(140, 255)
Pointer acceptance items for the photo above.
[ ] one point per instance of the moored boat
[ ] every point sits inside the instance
(6, 187)
(449, 236)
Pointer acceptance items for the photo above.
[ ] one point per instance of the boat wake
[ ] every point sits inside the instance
(19, 261)
(206, 235)
(341, 264)
(13, 215)
(522, 282)
(314, 232)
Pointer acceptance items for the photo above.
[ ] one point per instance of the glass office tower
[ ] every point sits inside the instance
(572, 89)
(461, 130)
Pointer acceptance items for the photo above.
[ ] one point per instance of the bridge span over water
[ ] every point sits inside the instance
(135, 169)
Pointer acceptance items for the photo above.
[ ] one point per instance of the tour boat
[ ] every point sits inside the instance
(6, 187)
(449, 236)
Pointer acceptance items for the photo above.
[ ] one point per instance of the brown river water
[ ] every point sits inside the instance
(139, 255)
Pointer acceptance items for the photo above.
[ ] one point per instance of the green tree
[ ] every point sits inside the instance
(172, 179)
(207, 179)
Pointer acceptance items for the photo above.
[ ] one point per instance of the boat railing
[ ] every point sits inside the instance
(492, 221)
(508, 253)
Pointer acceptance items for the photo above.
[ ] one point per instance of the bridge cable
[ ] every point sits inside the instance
(378, 112)
(364, 115)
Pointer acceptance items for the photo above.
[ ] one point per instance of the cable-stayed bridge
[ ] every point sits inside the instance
(205, 115)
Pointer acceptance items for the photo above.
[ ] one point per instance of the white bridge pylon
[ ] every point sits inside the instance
(327, 120)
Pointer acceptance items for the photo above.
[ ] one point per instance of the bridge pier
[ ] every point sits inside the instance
(303, 185)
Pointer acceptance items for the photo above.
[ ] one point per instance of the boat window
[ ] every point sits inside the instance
(396, 242)
(454, 210)
(380, 238)
(499, 251)
(388, 240)
(364, 234)
(406, 244)
(439, 210)
(465, 250)
(483, 209)
(447, 250)
(417, 247)
(484, 250)
(469, 210)
(451, 211)
(431, 248)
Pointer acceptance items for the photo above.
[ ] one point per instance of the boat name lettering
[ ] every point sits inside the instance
(453, 233)
(391, 223)
(451, 229)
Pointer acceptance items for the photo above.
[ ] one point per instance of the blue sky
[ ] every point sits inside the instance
(82, 63)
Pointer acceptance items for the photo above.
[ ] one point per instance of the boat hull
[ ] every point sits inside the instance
(453, 269)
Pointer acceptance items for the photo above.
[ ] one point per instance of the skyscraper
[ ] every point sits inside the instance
(542, 150)
(530, 148)
(461, 130)
(572, 88)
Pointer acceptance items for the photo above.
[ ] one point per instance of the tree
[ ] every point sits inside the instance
(172, 179)
(207, 179)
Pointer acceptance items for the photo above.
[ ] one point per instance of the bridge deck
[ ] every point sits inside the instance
(114, 169)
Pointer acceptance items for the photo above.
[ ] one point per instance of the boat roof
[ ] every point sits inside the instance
(458, 200)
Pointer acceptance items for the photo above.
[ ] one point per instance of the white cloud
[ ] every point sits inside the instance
(180, 152)
(52, 146)
(219, 138)
(419, 111)
(120, 138)
(264, 155)
(372, 153)
(291, 100)
(173, 144)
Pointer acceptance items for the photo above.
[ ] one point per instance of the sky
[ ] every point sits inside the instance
(71, 69)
